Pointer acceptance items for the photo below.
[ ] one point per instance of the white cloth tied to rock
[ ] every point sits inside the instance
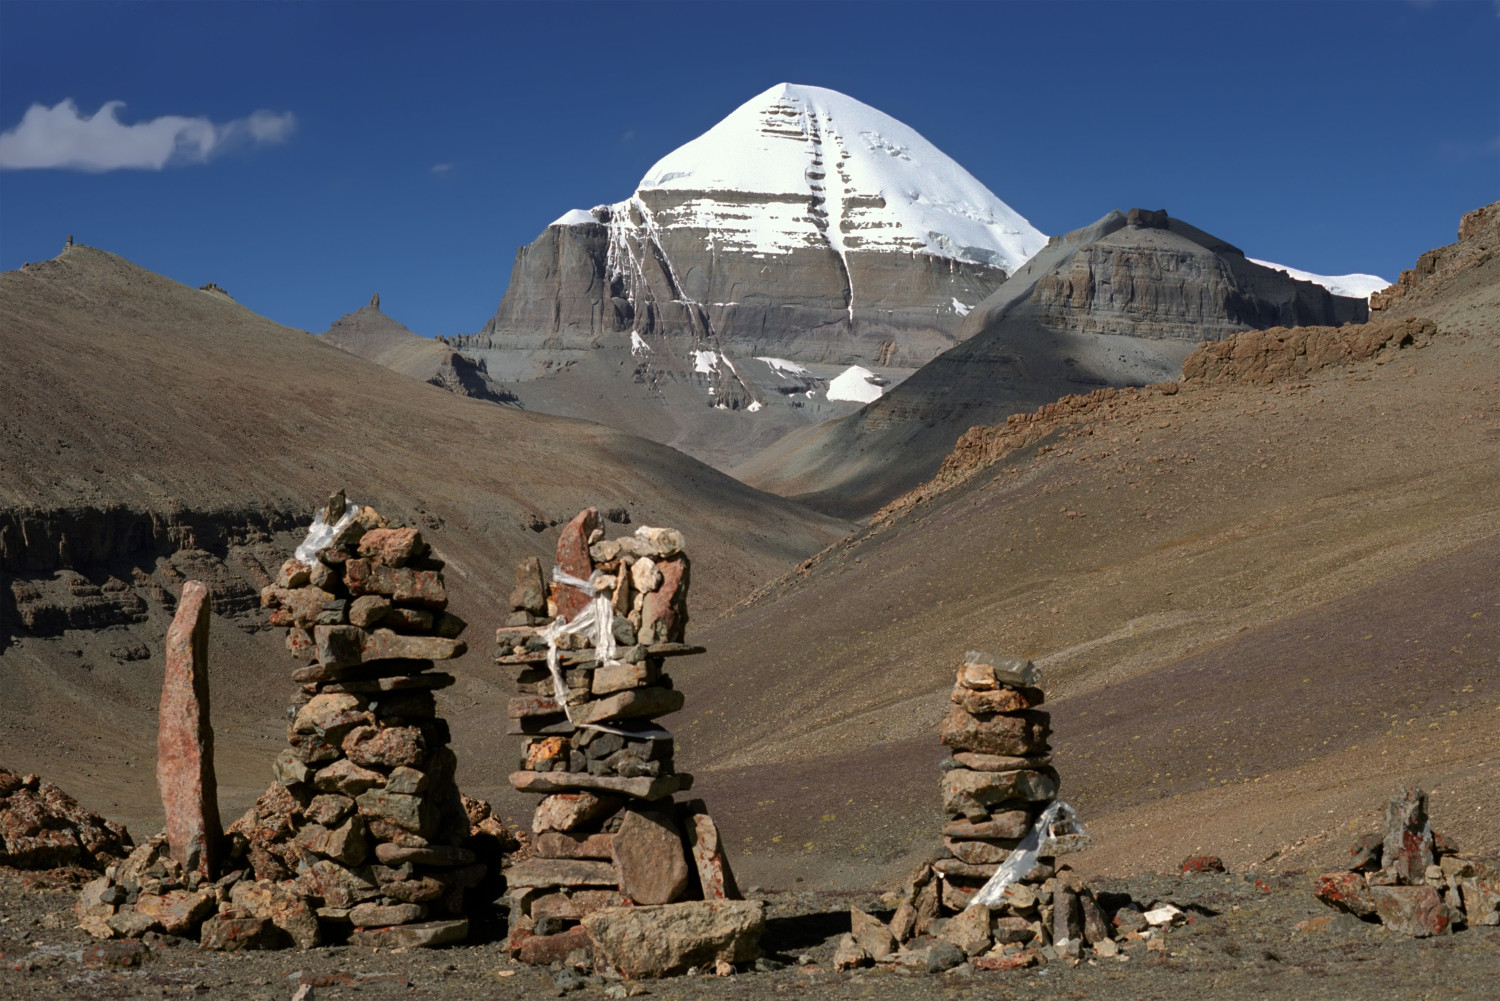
(320, 534)
(1020, 861)
(598, 620)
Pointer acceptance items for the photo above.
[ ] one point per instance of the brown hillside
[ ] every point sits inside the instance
(152, 432)
(1259, 605)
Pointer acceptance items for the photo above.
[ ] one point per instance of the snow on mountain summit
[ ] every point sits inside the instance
(827, 170)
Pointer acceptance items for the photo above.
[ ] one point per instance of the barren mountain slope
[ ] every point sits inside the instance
(1259, 607)
(150, 432)
(1120, 302)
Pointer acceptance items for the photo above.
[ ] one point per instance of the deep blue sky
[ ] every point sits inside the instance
(1333, 137)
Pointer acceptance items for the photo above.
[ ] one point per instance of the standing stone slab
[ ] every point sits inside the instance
(648, 856)
(573, 558)
(707, 851)
(185, 739)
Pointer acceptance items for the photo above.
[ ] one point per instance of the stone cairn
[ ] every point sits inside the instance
(1412, 879)
(999, 790)
(363, 837)
(607, 833)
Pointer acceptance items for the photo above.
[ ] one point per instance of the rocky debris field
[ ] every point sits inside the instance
(1241, 937)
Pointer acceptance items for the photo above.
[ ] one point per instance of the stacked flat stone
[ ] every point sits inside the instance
(607, 832)
(997, 783)
(363, 836)
(370, 823)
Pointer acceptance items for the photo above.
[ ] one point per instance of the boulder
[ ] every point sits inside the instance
(672, 938)
(874, 938)
(1417, 911)
(1346, 891)
(426, 934)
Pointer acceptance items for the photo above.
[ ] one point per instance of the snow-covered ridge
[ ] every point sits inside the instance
(873, 184)
(1358, 286)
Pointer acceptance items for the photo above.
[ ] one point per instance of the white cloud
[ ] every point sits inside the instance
(441, 168)
(61, 138)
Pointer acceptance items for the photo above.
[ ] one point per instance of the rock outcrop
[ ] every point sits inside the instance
(42, 827)
(1121, 302)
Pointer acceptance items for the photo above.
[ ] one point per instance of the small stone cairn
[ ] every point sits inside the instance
(363, 837)
(1412, 879)
(607, 833)
(998, 786)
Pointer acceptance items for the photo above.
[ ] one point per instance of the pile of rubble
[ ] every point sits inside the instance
(1411, 878)
(363, 837)
(42, 827)
(587, 650)
(995, 895)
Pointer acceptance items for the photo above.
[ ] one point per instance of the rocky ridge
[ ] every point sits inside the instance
(1118, 303)
(371, 334)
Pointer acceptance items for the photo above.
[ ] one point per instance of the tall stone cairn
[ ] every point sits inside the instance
(997, 782)
(363, 836)
(607, 832)
(365, 821)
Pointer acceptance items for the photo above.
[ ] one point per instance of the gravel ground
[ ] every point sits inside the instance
(1245, 939)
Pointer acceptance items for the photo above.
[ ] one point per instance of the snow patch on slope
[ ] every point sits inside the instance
(1356, 285)
(960, 308)
(855, 384)
(782, 367)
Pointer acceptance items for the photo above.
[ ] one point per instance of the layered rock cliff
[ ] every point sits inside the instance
(1121, 302)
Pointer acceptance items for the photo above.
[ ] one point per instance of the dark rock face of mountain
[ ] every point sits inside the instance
(578, 285)
(1121, 302)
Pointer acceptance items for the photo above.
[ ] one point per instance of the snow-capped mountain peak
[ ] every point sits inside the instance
(827, 170)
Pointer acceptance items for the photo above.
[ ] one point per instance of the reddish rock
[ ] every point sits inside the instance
(670, 939)
(42, 827)
(573, 558)
(1417, 911)
(385, 747)
(996, 700)
(544, 950)
(1201, 863)
(234, 930)
(395, 547)
(707, 852)
(1023, 734)
(1346, 891)
(1019, 961)
(664, 614)
(278, 904)
(557, 844)
(185, 739)
(178, 911)
(648, 856)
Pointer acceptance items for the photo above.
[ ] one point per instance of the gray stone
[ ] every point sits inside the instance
(669, 939)
(427, 934)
